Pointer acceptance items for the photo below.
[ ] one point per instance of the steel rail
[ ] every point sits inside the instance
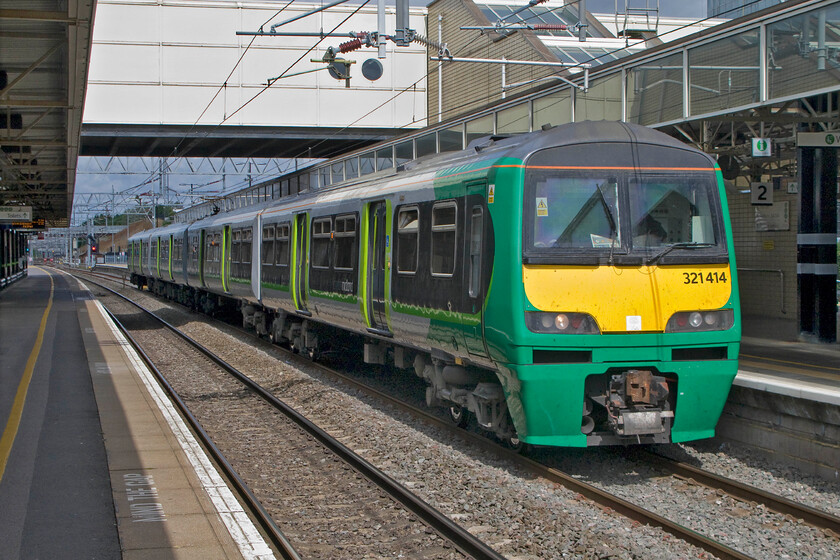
(279, 540)
(600, 497)
(440, 523)
(808, 514)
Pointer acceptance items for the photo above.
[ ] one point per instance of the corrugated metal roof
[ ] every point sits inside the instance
(44, 53)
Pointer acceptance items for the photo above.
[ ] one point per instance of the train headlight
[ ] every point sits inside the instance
(561, 323)
(695, 319)
(698, 321)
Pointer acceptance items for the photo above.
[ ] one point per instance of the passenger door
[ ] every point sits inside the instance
(300, 238)
(171, 250)
(202, 258)
(225, 262)
(475, 249)
(377, 267)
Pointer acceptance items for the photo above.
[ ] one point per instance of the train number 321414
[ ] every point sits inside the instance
(707, 278)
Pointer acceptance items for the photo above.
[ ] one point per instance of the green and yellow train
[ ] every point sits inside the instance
(569, 287)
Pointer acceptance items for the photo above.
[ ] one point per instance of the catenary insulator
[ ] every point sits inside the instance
(425, 41)
(350, 46)
(550, 27)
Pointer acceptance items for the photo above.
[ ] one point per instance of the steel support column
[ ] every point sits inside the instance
(817, 243)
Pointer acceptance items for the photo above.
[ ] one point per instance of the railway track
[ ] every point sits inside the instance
(625, 507)
(366, 502)
(809, 515)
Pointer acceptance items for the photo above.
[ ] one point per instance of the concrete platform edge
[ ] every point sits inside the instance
(248, 541)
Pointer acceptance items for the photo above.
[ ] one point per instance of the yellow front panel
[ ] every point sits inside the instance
(619, 297)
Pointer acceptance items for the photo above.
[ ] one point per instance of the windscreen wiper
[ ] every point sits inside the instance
(611, 218)
(608, 210)
(683, 245)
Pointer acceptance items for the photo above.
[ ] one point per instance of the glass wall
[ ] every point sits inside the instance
(385, 158)
(366, 164)
(655, 91)
(803, 53)
(451, 139)
(426, 144)
(404, 152)
(477, 128)
(724, 73)
(514, 120)
(338, 172)
(602, 101)
(351, 168)
(553, 109)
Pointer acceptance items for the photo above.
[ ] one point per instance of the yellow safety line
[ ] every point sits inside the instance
(12, 425)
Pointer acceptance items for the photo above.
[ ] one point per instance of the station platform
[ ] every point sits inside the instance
(94, 460)
(795, 369)
(784, 405)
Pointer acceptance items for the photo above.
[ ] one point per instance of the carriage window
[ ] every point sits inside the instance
(321, 234)
(408, 237)
(216, 251)
(345, 242)
(444, 235)
(236, 246)
(282, 245)
(245, 248)
(267, 254)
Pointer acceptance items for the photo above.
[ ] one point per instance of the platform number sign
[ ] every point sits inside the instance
(761, 194)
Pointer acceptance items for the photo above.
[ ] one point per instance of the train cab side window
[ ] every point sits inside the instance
(476, 230)
(282, 245)
(267, 253)
(444, 238)
(345, 242)
(321, 238)
(408, 239)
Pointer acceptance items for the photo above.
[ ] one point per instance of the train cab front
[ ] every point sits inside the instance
(629, 296)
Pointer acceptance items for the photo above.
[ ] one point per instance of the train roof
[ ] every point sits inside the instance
(519, 146)
(169, 229)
